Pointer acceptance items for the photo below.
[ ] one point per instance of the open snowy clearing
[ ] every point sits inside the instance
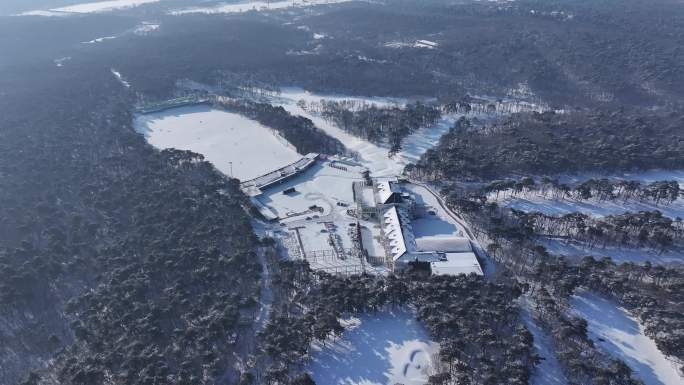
(93, 7)
(617, 254)
(436, 225)
(374, 157)
(533, 202)
(386, 348)
(624, 337)
(257, 6)
(234, 144)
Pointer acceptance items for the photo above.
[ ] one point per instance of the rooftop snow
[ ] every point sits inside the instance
(444, 244)
(457, 263)
(398, 232)
(386, 190)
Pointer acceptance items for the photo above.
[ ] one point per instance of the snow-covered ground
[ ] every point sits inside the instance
(561, 247)
(60, 62)
(371, 235)
(320, 185)
(535, 202)
(223, 138)
(99, 40)
(614, 330)
(438, 225)
(120, 78)
(247, 6)
(374, 157)
(416, 44)
(145, 28)
(549, 371)
(92, 7)
(385, 348)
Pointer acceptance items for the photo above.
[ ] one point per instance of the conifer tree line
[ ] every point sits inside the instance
(377, 124)
(482, 339)
(650, 292)
(659, 192)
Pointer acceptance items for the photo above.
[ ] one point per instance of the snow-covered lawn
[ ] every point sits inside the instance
(624, 337)
(438, 225)
(385, 348)
(223, 138)
(533, 202)
(246, 6)
(617, 254)
(92, 7)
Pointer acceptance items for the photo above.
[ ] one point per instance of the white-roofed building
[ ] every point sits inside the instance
(457, 263)
(446, 254)
(398, 234)
(444, 244)
(388, 193)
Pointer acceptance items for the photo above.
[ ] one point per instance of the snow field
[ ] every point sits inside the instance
(372, 156)
(223, 138)
(376, 157)
(254, 6)
(621, 335)
(438, 225)
(385, 348)
(92, 7)
(617, 254)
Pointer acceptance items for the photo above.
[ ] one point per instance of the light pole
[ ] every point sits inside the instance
(231, 169)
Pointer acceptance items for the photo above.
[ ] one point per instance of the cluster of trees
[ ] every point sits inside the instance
(118, 263)
(664, 191)
(377, 124)
(477, 325)
(549, 143)
(651, 293)
(655, 294)
(649, 229)
(643, 229)
(298, 130)
(476, 322)
(582, 361)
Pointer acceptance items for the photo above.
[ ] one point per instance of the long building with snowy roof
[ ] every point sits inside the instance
(398, 233)
(388, 193)
(446, 255)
